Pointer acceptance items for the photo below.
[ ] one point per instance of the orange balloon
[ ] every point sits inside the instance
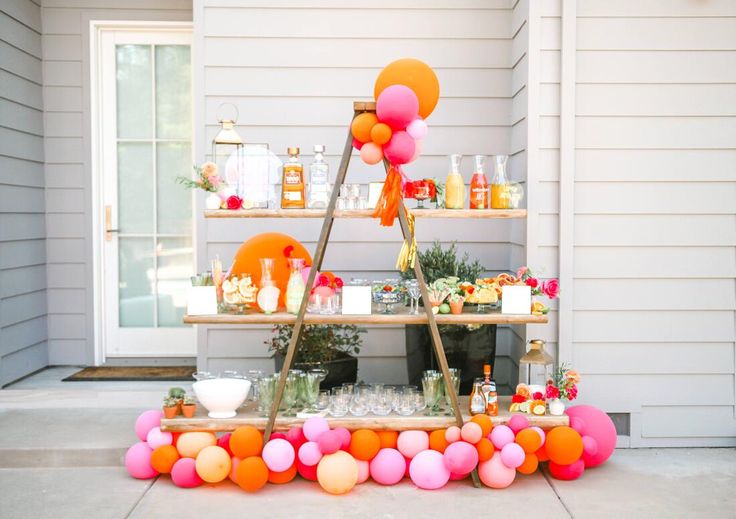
(437, 441)
(269, 245)
(529, 440)
(365, 444)
(415, 74)
(279, 478)
(381, 133)
(485, 449)
(531, 462)
(362, 125)
(246, 441)
(252, 474)
(564, 445)
(389, 439)
(163, 458)
(542, 454)
(485, 423)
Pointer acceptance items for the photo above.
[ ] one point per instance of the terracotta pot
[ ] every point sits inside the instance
(171, 412)
(189, 410)
(456, 308)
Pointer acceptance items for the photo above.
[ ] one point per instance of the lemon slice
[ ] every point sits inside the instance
(514, 408)
(524, 407)
(245, 285)
(228, 286)
(247, 204)
(538, 410)
(231, 298)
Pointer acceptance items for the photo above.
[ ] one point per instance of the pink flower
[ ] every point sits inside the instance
(338, 282)
(537, 396)
(552, 392)
(214, 180)
(234, 202)
(521, 272)
(323, 281)
(551, 288)
(532, 282)
(209, 169)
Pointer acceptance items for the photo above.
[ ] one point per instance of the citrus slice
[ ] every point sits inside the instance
(247, 204)
(515, 407)
(538, 410)
(245, 285)
(228, 286)
(231, 298)
(524, 407)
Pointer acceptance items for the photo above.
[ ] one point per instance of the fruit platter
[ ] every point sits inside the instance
(388, 292)
(239, 293)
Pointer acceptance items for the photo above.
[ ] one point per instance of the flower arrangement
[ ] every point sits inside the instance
(334, 282)
(548, 287)
(563, 384)
(207, 178)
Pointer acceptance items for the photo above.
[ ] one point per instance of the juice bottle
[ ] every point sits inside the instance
(292, 185)
(500, 192)
(479, 185)
(455, 186)
(477, 402)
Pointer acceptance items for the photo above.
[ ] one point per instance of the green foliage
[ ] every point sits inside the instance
(170, 402)
(439, 263)
(177, 393)
(189, 400)
(318, 343)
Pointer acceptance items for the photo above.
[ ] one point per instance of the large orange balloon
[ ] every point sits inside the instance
(415, 74)
(365, 444)
(389, 439)
(529, 440)
(564, 445)
(252, 474)
(485, 449)
(269, 245)
(485, 423)
(246, 441)
(279, 478)
(362, 125)
(437, 441)
(530, 464)
(163, 458)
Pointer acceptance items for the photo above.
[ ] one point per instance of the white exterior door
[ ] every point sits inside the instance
(145, 134)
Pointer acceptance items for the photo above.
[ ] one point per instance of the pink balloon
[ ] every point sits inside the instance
(357, 144)
(518, 422)
(590, 446)
(512, 455)
(234, 467)
(578, 424)
(493, 473)
(540, 432)
(417, 129)
(461, 457)
(388, 467)
(184, 474)
(371, 153)
(599, 426)
(408, 465)
(307, 471)
(224, 442)
(344, 436)
(278, 434)
(418, 144)
(452, 434)
(364, 471)
(428, 470)
(315, 426)
(501, 435)
(329, 442)
(295, 435)
(397, 106)
(138, 461)
(471, 432)
(278, 455)
(458, 477)
(400, 149)
(411, 443)
(566, 472)
(157, 438)
(309, 453)
(147, 421)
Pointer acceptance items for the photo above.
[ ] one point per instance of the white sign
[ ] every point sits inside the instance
(356, 300)
(516, 299)
(201, 301)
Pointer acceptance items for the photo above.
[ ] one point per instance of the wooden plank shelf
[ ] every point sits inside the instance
(364, 213)
(393, 422)
(401, 317)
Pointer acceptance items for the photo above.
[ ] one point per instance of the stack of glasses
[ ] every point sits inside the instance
(300, 392)
(433, 385)
(379, 399)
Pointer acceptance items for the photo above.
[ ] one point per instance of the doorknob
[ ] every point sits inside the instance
(108, 223)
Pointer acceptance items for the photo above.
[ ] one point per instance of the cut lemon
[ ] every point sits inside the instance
(524, 407)
(231, 298)
(538, 410)
(229, 287)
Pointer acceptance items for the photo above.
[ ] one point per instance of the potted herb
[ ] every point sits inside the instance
(467, 347)
(170, 407)
(456, 303)
(330, 347)
(188, 406)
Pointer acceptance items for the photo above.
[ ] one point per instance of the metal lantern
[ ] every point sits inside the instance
(228, 150)
(536, 365)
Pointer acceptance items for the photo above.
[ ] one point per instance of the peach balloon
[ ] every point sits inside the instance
(213, 464)
(471, 432)
(371, 153)
(337, 473)
(191, 443)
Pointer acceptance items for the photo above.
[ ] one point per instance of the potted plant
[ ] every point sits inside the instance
(467, 347)
(561, 388)
(171, 407)
(330, 347)
(177, 393)
(188, 406)
(456, 303)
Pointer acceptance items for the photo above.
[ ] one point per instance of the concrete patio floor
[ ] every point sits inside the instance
(61, 446)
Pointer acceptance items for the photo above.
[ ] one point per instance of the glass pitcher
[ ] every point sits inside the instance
(296, 286)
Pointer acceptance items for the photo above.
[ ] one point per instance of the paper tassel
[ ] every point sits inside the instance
(408, 254)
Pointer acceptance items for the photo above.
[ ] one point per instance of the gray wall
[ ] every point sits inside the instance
(23, 337)
(68, 161)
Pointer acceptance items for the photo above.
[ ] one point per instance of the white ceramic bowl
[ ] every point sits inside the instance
(221, 396)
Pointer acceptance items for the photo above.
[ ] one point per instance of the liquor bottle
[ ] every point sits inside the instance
(479, 185)
(454, 186)
(319, 180)
(292, 184)
(477, 402)
(488, 388)
(500, 192)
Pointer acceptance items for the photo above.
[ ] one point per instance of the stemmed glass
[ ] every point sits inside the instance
(266, 393)
(412, 288)
(291, 394)
(455, 377)
(310, 387)
(254, 375)
(432, 391)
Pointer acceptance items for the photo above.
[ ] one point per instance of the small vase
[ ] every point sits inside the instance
(171, 412)
(556, 407)
(188, 410)
(212, 201)
(456, 307)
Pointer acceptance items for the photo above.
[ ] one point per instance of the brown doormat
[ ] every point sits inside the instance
(132, 373)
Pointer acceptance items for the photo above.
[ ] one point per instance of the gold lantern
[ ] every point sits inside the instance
(536, 365)
(228, 149)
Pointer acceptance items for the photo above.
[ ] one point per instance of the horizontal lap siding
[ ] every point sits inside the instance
(23, 331)
(67, 169)
(293, 70)
(655, 217)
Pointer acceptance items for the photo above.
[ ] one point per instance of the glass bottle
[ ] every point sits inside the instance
(479, 185)
(455, 186)
(267, 265)
(488, 388)
(295, 286)
(319, 180)
(477, 402)
(292, 184)
(500, 189)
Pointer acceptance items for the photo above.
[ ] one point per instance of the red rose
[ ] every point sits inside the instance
(338, 282)
(551, 288)
(518, 399)
(409, 190)
(234, 202)
(537, 396)
(323, 280)
(532, 282)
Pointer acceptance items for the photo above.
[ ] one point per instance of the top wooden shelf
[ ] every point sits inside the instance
(364, 213)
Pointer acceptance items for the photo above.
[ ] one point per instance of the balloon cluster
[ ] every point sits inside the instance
(338, 459)
(406, 92)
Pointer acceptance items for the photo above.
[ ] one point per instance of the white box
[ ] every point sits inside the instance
(201, 300)
(356, 300)
(516, 299)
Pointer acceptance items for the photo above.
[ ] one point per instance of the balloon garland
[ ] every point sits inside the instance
(338, 459)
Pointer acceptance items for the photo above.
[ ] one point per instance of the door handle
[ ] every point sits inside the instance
(108, 223)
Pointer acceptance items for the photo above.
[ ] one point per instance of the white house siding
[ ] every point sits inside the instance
(66, 95)
(23, 338)
(293, 69)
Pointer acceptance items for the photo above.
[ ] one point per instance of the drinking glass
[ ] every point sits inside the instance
(310, 385)
(339, 400)
(291, 394)
(202, 375)
(254, 375)
(412, 288)
(230, 373)
(359, 405)
(406, 403)
(266, 393)
(382, 403)
(432, 391)
(323, 401)
(455, 376)
(348, 387)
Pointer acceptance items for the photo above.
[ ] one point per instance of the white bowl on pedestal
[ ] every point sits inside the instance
(221, 396)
